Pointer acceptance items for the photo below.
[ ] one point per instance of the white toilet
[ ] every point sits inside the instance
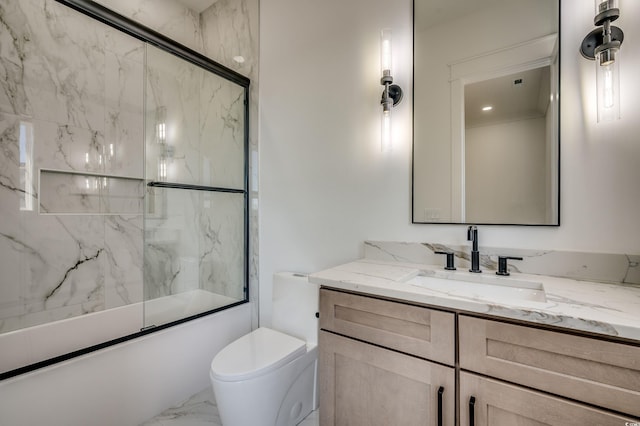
(268, 377)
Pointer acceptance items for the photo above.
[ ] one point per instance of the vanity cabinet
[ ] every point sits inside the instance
(376, 362)
(604, 374)
(384, 362)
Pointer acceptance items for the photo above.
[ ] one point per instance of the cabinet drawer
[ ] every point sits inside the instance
(602, 373)
(410, 329)
(366, 385)
(501, 404)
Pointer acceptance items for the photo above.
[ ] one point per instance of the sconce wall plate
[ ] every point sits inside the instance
(595, 39)
(395, 93)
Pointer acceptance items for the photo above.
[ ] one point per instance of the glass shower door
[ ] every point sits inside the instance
(195, 249)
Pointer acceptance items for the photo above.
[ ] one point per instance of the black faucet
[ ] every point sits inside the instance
(472, 235)
(450, 259)
(502, 265)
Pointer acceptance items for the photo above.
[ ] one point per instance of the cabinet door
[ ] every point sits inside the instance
(598, 372)
(366, 385)
(414, 330)
(497, 403)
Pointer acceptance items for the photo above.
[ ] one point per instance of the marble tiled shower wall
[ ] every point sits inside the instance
(71, 171)
(230, 29)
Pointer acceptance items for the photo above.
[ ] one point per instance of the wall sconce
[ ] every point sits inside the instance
(603, 46)
(392, 93)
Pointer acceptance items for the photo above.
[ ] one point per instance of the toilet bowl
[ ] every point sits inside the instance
(268, 377)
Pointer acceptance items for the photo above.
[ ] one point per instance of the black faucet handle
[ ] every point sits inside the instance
(450, 259)
(470, 233)
(502, 264)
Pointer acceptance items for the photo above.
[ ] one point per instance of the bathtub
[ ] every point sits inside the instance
(39, 343)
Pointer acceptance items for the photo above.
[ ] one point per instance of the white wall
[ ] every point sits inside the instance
(124, 384)
(325, 186)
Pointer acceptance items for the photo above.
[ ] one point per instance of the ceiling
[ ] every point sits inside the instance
(431, 13)
(197, 5)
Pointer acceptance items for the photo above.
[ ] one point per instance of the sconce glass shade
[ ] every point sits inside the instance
(608, 84)
(386, 141)
(385, 52)
(603, 5)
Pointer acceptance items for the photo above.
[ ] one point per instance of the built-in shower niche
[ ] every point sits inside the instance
(65, 192)
(123, 182)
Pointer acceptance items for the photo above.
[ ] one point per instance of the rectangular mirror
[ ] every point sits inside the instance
(486, 112)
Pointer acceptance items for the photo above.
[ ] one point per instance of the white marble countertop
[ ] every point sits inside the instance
(609, 309)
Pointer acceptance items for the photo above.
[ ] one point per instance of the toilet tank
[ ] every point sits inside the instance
(295, 304)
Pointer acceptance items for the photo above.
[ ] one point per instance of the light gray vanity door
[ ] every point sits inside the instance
(497, 403)
(366, 385)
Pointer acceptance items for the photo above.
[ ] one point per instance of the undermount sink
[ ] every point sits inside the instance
(480, 286)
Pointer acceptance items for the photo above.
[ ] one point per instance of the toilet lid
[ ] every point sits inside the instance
(257, 353)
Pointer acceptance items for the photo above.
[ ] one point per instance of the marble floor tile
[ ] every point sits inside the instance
(312, 419)
(201, 410)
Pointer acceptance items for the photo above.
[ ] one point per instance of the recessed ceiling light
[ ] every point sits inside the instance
(239, 59)
(487, 108)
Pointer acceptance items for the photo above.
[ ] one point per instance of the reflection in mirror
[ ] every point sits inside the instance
(486, 112)
(506, 135)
